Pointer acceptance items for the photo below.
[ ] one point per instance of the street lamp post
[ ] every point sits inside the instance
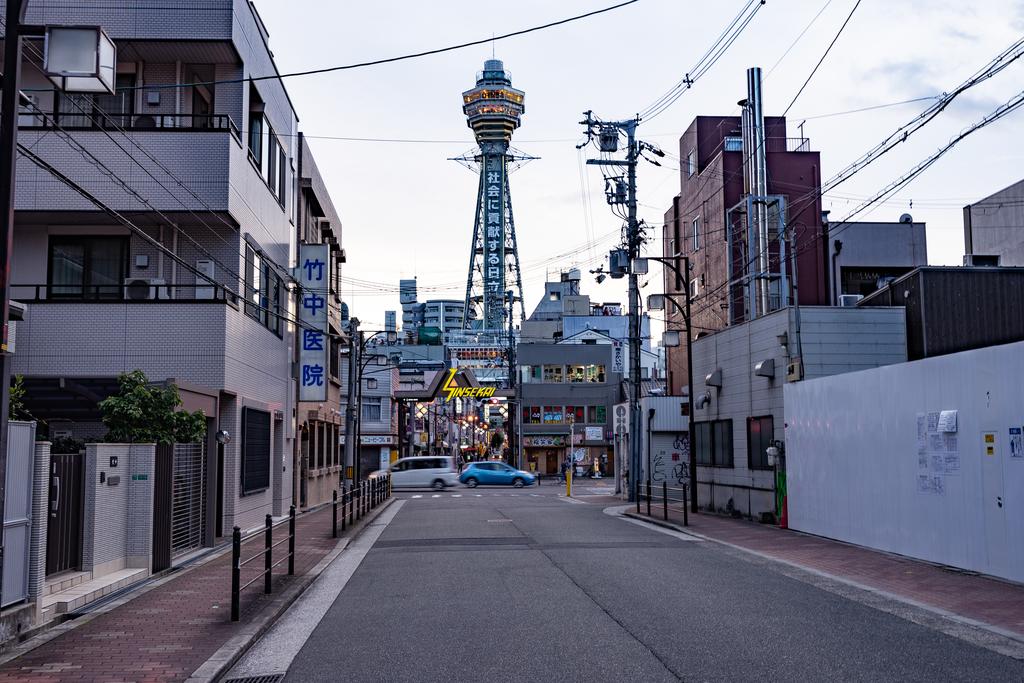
(354, 403)
(652, 303)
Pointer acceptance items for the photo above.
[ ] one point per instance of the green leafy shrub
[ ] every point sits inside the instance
(144, 413)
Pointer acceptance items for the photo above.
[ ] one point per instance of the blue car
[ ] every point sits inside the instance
(494, 473)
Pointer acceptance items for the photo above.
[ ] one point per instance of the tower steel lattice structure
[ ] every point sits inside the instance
(493, 109)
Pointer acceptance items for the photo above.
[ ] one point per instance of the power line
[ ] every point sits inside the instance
(390, 60)
(827, 50)
(871, 108)
(797, 39)
(124, 220)
(728, 36)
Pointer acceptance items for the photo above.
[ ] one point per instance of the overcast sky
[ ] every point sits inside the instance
(408, 211)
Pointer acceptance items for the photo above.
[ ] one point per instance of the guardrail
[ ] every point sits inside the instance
(359, 499)
(669, 494)
(268, 556)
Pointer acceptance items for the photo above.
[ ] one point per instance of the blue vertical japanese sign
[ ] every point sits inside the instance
(494, 241)
(314, 277)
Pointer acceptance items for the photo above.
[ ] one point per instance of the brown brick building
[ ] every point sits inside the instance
(711, 183)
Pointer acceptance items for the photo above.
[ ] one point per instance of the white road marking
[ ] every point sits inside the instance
(571, 500)
(276, 650)
(456, 495)
(418, 495)
(479, 495)
(616, 511)
(436, 495)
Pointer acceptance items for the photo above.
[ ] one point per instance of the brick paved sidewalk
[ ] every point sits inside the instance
(168, 632)
(980, 598)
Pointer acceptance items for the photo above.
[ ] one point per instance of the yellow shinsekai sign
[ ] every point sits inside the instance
(452, 391)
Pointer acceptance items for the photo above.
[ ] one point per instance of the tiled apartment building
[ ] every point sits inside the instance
(189, 282)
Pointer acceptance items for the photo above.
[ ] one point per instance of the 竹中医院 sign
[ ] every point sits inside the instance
(313, 276)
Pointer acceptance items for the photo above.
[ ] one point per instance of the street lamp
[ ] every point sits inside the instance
(358, 344)
(656, 302)
(80, 59)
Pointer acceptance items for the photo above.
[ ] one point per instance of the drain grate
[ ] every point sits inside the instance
(269, 678)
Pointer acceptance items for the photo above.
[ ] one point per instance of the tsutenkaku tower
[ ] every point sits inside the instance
(492, 110)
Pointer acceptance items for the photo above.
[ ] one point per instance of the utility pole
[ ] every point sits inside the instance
(8, 150)
(690, 399)
(351, 447)
(607, 133)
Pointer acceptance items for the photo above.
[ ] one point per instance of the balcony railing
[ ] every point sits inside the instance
(137, 290)
(35, 119)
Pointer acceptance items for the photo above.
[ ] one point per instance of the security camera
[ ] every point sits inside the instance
(600, 278)
(223, 436)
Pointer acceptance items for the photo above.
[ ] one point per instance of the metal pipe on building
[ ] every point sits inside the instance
(759, 187)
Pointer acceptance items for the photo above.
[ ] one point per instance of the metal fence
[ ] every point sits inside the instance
(355, 503)
(188, 497)
(670, 495)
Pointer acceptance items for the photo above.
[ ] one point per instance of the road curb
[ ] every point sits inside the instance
(230, 652)
(1014, 649)
(667, 525)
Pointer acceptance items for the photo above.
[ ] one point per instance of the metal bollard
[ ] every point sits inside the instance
(352, 505)
(638, 497)
(268, 537)
(334, 514)
(648, 497)
(291, 541)
(236, 570)
(686, 505)
(342, 508)
(664, 499)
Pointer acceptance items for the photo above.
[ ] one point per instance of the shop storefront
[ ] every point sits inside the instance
(544, 452)
(591, 452)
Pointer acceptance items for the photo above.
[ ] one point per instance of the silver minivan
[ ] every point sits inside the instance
(433, 471)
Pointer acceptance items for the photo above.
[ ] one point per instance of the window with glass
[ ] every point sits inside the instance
(372, 409)
(263, 290)
(760, 434)
(553, 415)
(553, 373)
(585, 373)
(691, 162)
(696, 233)
(531, 374)
(597, 414)
(256, 138)
(575, 414)
(87, 267)
(532, 415)
(713, 443)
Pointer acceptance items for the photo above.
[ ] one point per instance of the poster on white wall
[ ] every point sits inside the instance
(1016, 443)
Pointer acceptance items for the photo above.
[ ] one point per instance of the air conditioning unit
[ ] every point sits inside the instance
(146, 289)
(849, 299)
(982, 260)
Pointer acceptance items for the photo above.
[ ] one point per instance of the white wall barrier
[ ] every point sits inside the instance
(923, 459)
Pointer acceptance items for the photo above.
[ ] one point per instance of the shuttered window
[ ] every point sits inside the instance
(255, 450)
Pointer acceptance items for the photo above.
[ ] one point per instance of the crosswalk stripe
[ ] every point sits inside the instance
(417, 496)
(436, 495)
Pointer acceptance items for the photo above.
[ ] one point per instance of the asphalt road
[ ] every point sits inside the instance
(522, 585)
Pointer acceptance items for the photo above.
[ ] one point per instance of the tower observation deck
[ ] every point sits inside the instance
(493, 109)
